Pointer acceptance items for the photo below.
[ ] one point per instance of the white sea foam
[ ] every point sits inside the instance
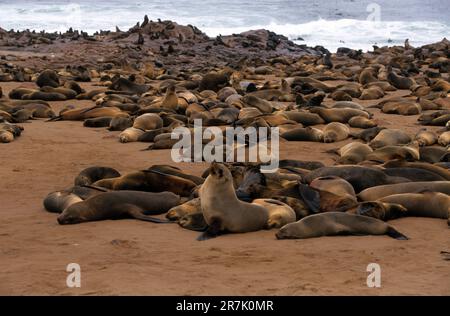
(330, 33)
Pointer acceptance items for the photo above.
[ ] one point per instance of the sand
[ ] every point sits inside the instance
(127, 257)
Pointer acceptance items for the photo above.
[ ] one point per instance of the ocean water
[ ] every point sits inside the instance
(356, 24)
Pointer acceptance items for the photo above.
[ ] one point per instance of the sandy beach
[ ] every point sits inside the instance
(132, 257)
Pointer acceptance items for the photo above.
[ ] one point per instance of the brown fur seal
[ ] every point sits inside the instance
(426, 138)
(337, 223)
(353, 153)
(398, 81)
(189, 207)
(130, 135)
(372, 93)
(57, 202)
(44, 96)
(406, 152)
(359, 177)
(193, 221)
(222, 209)
(387, 137)
(444, 138)
(305, 118)
(93, 174)
(98, 122)
(48, 78)
(419, 165)
(148, 121)
(215, 80)
(150, 181)
(119, 123)
(116, 205)
(68, 93)
(326, 194)
(303, 134)
(427, 204)
(87, 113)
(340, 95)
(263, 105)
(402, 108)
(379, 210)
(378, 192)
(339, 115)
(280, 213)
(361, 122)
(335, 132)
(368, 134)
(170, 100)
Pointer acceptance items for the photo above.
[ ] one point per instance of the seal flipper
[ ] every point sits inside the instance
(310, 196)
(136, 212)
(212, 231)
(392, 232)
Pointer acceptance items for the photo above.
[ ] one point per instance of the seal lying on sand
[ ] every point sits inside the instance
(149, 180)
(123, 204)
(378, 192)
(336, 223)
(96, 173)
(426, 204)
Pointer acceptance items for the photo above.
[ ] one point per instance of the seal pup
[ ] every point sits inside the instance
(426, 138)
(280, 213)
(121, 204)
(335, 224)
(223, 211)
(335, 132)
(95, 173)
(379, 210)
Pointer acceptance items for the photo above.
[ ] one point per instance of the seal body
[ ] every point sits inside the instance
(336, 223)
(121, 204)
(222, 209)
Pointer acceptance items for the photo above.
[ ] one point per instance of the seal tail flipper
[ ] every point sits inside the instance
(392, 232)
(136, 213)
(90, 186)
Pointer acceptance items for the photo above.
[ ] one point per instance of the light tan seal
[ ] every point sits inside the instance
(222, 209)
(426, 204)
(426, 138)
(148, 121)
(130, 135)
(353, 153)
(335, 132)
(387, 137)
(280, 213)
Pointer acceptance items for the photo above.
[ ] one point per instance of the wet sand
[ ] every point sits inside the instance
(133, 257)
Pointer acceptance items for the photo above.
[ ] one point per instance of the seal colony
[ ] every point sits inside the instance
(158, 76)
